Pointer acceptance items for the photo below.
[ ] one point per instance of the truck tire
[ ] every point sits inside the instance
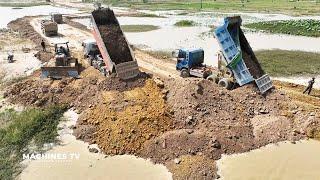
(225, 83)
(184, 73)
(213, 78)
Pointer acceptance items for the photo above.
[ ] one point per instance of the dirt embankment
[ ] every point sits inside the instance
(68, 20)
(81, 93)
(175, 122)
(23, 26)
(185, 124)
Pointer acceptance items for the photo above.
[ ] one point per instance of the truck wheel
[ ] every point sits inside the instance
(184, 73)
(229, 73)
(224, 82)
(213, 78)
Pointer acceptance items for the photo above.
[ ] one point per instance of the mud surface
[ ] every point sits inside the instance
(28, 32)
(112, 36)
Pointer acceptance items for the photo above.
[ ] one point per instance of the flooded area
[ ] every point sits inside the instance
(76, 162)
(200, 36)
(285, 161)
(12, 14)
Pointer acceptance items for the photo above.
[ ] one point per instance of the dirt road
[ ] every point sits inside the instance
(76, 36)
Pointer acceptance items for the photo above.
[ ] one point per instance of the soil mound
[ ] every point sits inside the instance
(81, 93)
(126, 120)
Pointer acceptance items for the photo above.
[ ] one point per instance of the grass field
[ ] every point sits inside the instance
(185, 23)
(20, 130)
(138, 28)
(293, 27)
(289, 63)
(293, 7)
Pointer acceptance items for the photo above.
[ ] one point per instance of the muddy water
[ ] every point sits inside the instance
(284, 161)
(76, 162)
(8, 14)
(198, 36)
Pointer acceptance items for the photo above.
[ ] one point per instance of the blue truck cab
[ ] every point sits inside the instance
(187, 59)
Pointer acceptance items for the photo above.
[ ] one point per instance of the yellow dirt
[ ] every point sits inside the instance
(127, 119)
(190, 166)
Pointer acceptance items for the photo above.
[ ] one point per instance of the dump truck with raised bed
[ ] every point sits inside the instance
(113, 45)
(63, 64)
(241, 65)
(49, 28)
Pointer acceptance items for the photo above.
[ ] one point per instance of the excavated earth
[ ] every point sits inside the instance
(185, 124)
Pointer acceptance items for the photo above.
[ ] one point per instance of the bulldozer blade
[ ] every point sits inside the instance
(127, 70)
(59, 72)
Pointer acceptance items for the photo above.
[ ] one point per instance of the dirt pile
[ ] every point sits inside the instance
(117, 84)
(217, 121)
(81, 93)
(192, 167)
(125, 120)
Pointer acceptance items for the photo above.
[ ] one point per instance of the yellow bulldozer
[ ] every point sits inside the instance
(62, 65)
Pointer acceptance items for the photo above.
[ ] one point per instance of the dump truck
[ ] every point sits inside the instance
(56, 17)
(113, 45)
(49, 28)
(190, 63)
(241, 65)
(62, 65)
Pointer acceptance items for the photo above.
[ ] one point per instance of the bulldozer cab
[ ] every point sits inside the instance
(62, 49)
(64, 65)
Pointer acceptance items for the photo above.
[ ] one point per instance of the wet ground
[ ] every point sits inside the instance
(285, 161)
(81, 164)
(12, 14)
(200, 36)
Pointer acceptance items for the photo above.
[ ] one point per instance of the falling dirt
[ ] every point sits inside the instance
(112, 35)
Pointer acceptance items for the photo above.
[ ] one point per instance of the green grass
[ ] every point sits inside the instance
(289, 63)
(293, 27)
(185, 23)
(294, 7)
(21, 4)
(138, 28)
(30, 127)
(146, 15)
